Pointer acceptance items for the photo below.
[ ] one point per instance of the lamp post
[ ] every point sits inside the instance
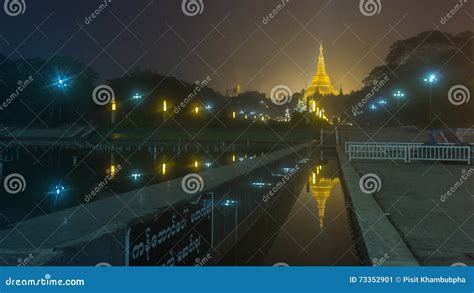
(398, 95)
(431, 79)
(61, 83)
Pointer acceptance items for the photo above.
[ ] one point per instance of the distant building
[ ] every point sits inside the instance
(235, 92)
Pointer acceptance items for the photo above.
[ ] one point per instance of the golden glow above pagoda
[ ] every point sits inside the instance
(321, 189)
(321, 82)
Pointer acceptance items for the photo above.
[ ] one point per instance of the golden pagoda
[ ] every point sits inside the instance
(321, 189)
(321, 82)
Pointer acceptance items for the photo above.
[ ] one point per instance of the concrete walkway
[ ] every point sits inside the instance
(383, 243)
(431, 206)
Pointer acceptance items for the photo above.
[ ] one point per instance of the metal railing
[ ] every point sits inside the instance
(464, 134)
(407, 152)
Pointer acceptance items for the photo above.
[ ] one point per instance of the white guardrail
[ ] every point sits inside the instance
(407, 152)
(465, 134)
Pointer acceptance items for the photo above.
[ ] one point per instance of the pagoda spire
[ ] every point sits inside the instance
(321, 71)
(321, 83)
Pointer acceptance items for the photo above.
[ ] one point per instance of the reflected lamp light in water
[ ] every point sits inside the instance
(260, 184)
(57, 192)
(229, 202)
(136, 176)
(137, 96)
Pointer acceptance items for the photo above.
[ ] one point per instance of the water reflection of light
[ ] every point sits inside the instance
(58, 192)
(208, 164)
(196, 164)
(233, 158)
(260, 184)
(163, 169)
(321, 188)
(136, 176)
(229, 202)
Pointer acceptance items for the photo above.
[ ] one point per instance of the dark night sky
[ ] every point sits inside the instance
(162, 38)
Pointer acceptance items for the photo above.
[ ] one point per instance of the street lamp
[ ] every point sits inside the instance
(398, 95)
(431, 79)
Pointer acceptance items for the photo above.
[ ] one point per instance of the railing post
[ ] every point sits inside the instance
(407, 154)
